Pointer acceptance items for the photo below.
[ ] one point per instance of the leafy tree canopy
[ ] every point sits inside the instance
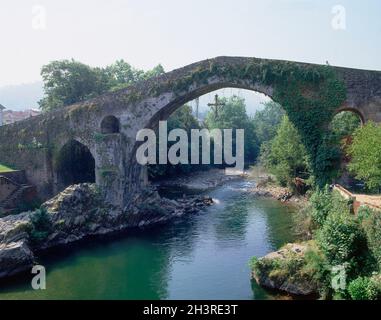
(285, 156)
(182, 118)
(345, 124)
(365, 152)
(69, 81)
(266, 121)
(233, 116)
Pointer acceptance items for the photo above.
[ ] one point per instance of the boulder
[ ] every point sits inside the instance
(14, 227)
(274, 272)
(15, 257)
(79, 212)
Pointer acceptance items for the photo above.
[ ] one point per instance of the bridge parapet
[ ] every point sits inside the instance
(373, 202)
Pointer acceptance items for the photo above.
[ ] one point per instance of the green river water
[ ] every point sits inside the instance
(204, 256)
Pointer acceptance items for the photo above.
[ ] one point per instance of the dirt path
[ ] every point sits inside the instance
(373, 201)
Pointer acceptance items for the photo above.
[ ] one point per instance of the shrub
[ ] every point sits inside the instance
(317, 265)
(303, 223)
(341, 239)
(321, 201)
(253, 263)
(366, 155)
(41, 226)
(371, 223)
(279, 269)
(362, 289)
(285, 156)
(376, 283)
(325, 202)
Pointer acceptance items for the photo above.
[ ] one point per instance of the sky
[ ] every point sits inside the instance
(178, 32)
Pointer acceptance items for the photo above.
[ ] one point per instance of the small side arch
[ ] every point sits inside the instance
(353, 110)
(110, 124)
(74, 164)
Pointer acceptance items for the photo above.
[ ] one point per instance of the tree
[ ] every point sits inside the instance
(233, 116)
(69, 81)
(342, 240)
(365, 153)
(182, 118)
(121, 74)
(285, 156)
(345, 124)
(267, 121)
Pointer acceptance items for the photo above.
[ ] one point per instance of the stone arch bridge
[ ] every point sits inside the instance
(102, 132)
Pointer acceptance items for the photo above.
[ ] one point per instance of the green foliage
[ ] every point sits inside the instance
(309, 94)
(68, 81)
(341, 239)
(267, 121)
(285, 156)
(325, 202)
(319, 268)
(182, 118)
(330, 151)
(345, 124)
(41, 226)
(327, 159)
(291, 267)
(321, 201)
(310, 98)
(363, 288)
(4, 168)
(233, 116)
(371, 223)
(253, 263)
(121, 74)
(366, 155)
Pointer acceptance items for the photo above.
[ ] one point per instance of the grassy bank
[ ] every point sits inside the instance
(4, 168)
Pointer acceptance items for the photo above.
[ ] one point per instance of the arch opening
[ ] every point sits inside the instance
(342, 127)
(238, 107)
(345, 122)
(74, 164)
(208, 90)
(110, 125)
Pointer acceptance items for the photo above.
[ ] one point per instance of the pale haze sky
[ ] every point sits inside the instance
(179, 32)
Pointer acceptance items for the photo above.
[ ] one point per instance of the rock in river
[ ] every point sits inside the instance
(283, 270)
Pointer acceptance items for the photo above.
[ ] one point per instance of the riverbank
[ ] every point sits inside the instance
(341, 237)
(267, 187)
(187, 258)
(282, 270)
(77, 213)
(199, 181)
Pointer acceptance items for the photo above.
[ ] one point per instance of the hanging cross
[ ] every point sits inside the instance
(217, 104)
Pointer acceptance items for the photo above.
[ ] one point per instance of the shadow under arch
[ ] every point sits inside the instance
(110, 124)
(74, 164)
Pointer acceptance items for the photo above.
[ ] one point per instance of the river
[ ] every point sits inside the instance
(204, 256)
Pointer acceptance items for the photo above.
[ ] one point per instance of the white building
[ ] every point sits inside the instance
(1, 114)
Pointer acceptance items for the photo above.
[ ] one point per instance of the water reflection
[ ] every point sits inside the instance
(204, 256)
